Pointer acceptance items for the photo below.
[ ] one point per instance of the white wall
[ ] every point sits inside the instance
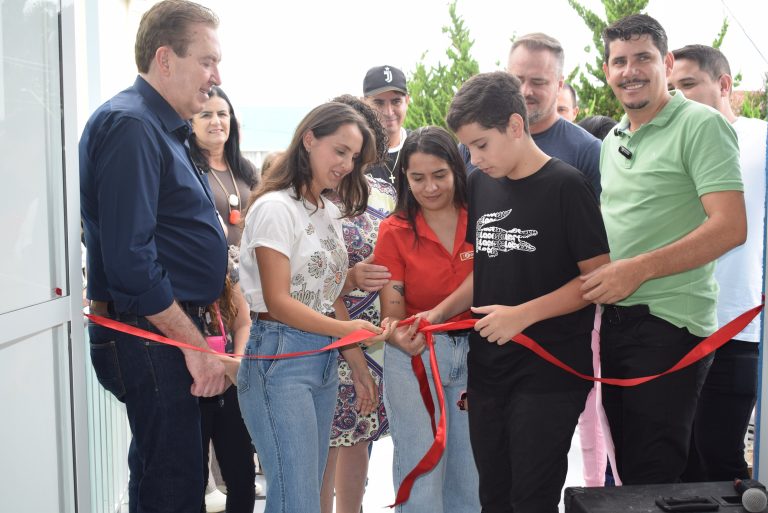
(41, 351)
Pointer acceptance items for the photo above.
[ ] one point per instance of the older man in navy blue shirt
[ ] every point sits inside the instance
(157, 253)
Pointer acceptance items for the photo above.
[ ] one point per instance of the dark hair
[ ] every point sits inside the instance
(292, 170)
(435, 141)
(167, 24)
(538, 41)
(599, 126)
(374, 123)
(635, 26)
(568, 87)
(488, 99)
(710, 60)
(240, 166)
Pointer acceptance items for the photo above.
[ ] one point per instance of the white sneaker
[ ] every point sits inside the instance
(215, 502)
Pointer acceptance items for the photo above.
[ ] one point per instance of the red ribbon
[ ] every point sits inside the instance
(435, 452)
(352, 338)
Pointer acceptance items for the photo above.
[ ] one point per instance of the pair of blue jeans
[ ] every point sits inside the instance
(288, 406)
(165, 457)
(452, 486)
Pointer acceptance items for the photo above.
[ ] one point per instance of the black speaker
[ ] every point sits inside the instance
(688, 497)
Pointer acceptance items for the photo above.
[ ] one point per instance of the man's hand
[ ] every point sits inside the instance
(367, 276)
(612, 282)
(500, 323)
(207, 370)
(208, 374)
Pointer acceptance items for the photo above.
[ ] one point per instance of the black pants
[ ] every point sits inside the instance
(650, 423)
(222, 423)
(520, 442)
(722, 415)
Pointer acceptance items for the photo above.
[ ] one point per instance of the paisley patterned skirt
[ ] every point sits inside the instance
(348, 427)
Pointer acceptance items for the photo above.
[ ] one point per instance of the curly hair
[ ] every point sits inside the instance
(374, 123)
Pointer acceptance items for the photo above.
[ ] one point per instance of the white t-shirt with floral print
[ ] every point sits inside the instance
(310, 237)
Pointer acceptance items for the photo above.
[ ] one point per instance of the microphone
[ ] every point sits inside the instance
(625, 152)
(752, 494)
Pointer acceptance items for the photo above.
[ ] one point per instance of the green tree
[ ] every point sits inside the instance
(718, 41)
(595, 95)
(721, 35)
(432, 88)
(755, 103)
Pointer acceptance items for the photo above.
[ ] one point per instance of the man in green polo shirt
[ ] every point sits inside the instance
(672, 203)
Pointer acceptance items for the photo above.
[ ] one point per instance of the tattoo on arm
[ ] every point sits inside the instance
(400, 289)
(394, 302)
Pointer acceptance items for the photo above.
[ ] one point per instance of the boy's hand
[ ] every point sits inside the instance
(500, 323)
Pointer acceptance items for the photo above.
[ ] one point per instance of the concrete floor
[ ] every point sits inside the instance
(380, 492)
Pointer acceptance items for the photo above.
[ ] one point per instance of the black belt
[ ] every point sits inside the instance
(107, 308)
(616, 314)
(194, 311)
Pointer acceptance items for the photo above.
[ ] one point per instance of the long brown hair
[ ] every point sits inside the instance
(292, 170)
(227, 309)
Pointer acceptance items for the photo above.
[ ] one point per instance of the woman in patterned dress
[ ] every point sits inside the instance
(351, 432)
(293, 265)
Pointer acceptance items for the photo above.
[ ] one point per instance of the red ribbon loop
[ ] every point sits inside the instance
(436, 450)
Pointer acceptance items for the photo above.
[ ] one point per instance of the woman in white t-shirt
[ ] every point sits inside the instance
(293, 263)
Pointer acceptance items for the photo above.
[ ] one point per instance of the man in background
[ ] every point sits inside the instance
(385, 90)
(702, 74)
(567, 103)
(537, 61)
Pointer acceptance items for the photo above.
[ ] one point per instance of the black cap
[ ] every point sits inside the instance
(384, 78)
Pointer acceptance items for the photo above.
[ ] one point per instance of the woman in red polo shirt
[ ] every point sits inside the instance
(423, 246)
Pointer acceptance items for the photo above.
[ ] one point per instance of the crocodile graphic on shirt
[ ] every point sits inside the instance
(492, 239)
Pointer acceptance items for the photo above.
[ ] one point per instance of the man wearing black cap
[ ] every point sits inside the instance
(384, 89)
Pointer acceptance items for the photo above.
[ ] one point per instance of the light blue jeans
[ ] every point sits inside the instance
(288, 408)
(452, 486)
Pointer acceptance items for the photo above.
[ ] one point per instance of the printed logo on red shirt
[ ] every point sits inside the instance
(466, 255)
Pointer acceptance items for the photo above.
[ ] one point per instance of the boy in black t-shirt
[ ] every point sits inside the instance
(536, 226)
